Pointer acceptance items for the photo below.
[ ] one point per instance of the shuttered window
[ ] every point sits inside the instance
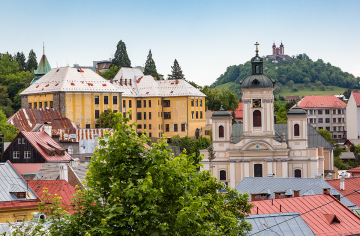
(257, 118)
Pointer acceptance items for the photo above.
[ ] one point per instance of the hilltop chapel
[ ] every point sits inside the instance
(261, 148)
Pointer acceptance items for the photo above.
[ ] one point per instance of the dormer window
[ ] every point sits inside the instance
(20, 195)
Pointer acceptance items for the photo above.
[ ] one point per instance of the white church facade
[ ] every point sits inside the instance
(261, 148)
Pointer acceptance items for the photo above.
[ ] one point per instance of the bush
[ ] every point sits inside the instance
(312, 88)
(322, 87)
(300, 86)
(332, 88)
(294, 90)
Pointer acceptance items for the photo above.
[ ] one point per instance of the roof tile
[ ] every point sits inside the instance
(321, 101)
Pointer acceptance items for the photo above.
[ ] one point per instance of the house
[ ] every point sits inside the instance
(292, 98)
(28, 170)
(258, 146)
(347, 187)
(326, 112)
(17, 200)
(323, 213)
(347, 156)
(353, 116)
(354, 172)
(78, 174)
(34, 147)
(268, 188)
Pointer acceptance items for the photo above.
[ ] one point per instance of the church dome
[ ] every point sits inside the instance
(257, 81)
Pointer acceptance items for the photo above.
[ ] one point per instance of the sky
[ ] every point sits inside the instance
(204, 36)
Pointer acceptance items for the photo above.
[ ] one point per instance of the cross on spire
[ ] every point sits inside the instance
(257, 50)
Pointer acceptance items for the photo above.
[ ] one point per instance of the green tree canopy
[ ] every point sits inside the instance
(21, 60)
(106, 119)
(176, 72)
(150, 67)
(215, 98)
(31, 63)
(121, 58)
(111, 72)
(326, 134)
(9, 131)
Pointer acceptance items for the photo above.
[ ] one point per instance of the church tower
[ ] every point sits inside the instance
(274, 48)
(281, 49)
(258, 101)
(297, 128)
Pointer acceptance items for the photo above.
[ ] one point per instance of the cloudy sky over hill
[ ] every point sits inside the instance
(204, 36)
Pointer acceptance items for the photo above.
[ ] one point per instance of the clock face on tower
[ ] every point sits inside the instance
(256, 102)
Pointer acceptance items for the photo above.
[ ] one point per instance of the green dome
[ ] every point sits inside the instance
(257, 81)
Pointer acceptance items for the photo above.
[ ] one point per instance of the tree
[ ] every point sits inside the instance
(290, 84)
(191, 146)
(150, 67)
(176, 72)
(326, 134)
(9, 131)
(111, 72)
(347, 93)
(31, 63)
(228, 100)
(21, 60)
(106, 119)
(5, 102)
(121, 58)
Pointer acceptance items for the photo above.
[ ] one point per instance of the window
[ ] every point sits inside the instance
(192, 115)
(258, 170)
(167, 128)
(20, 195)
(311, 120)
(139, 116)
(129, 103)
(40, 104)
(310, 112)
(320, 112)
(97, 114)
(149, 126)
(200, 102)
(182, 127)
(106, 100)
(327, 120)
(343, 120)
(114, 100)
(327, 112)
(166, 103)
(87, 126)
(16, 154)
(328, 128)
(334, 128)
(114, 111)
(207, 132)
(149, 115)
(139, 126)
(339, 120)
(144, 115)
(97, 100)
(149, 135)
(149, 103)
(23, 140)
(320, 127)
(314, 120)
(35, 105)
(297, 173)
(144, 103)
(334, 111)
(51, 104)
(196, 102)
(27, 155)
(221, 131)
(296, 130)
(335, 136)
(343, 111)
(30, 105)
(167, 115)
(222, 174)
(320, 120)
(201, 115)
(192, 102)
(46, 104)
(175, 127)
(339, 128)
(19, 140)
(334, 120)
(97, 126)
(158, 102)
(257, 118)
(124, 114)
(138, 104)
(124, 104)
(197, 115)
(339, 111)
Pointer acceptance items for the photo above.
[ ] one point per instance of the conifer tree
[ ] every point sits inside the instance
(176, 72)
(150, 67)
(31, 63)
(121, 58)
(21, 59)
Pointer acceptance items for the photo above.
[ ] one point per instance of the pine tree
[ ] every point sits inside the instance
(150, 67)
(121, 58)
(21, 59)
(176, 72)
(31, 63)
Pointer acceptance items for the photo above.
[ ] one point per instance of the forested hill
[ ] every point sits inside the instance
(298, 70)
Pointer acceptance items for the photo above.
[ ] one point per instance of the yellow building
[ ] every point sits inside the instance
(79, 94)
(168, 107)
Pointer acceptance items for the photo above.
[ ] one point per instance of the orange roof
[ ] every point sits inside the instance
(351, 184)
(238, 111)
(321, 101)
(356, 97)
(356, 169)
(324, 208)
(27, 168)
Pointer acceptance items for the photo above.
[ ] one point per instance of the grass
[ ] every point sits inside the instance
(225, 86)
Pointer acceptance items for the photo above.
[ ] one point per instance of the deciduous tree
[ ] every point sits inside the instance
(106, 119)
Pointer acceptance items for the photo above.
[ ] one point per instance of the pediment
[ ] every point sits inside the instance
(257, 145)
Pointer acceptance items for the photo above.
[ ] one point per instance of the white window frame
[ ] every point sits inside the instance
(23, 140)
(16, 154)
(19, 140)
(27, 154)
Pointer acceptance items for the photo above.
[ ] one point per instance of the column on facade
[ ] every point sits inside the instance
(232, 174)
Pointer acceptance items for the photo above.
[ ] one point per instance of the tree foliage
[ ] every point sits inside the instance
(326, 134)
(150, 67)
(9, 131)
(21, 60)
(106, 119)
(191, 146)
(31, 63)
(176, 72)
(121, 58)
(215, 98)
(111, 72)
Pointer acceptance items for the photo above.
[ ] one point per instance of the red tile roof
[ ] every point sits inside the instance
(238, 111)
(351, 184)
(322, 206)
(321, 101)
(27, 168)
(19, 204)
(290, 98)
(356, 169)
(41, 141)
(356, 96)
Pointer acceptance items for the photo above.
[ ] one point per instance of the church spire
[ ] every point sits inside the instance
(43, 48)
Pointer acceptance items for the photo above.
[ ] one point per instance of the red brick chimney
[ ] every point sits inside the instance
(326, 191)
(296, 193)
(280, 194)
(121, 82)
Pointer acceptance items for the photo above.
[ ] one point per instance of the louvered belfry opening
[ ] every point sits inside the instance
(257, 118)
(221, 131)
(296, 130)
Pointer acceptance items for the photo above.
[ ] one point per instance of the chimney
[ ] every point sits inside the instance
(329, 176)
(74, 162)
(130, 82)
(64, 172)
(121, 81)
(342, 182)
(270, 175)
(318, 176)
(125, 82)
(48, 128)
(296, 193)
(111, 80)
(280, 194)
(326, 191)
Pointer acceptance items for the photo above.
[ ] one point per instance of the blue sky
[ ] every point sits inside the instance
(204, 36)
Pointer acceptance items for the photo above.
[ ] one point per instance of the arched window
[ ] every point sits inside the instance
(222, 174)
(221, 131)
(297, 173)
(258, 170)
(257, 118)
(296, 130)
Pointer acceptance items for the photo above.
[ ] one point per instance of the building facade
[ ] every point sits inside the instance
(278, 50)
(353, 116)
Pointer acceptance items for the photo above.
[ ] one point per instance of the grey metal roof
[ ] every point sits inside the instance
(237, 130)
(257, 81)
(80, 170)
(49, 171)
(292, 224)
(354, 141)
(12, 182)
(307, 186)
(347, 155)
(297, 111)
(222, 113)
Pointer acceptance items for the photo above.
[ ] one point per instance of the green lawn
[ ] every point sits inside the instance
(225, 86)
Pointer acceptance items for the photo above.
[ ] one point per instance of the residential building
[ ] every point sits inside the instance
(43, 68)
(326, 112)
(34, 147)
(347, 156)
(292, 98)
(28, 170)
(17, 200)
(258, 146)
(347, 187)
(102, 67)
(354, 172)
(353, 116)
(160, 107)
(78, 94)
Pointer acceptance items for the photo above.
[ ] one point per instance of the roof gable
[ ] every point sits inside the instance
(356, 96)
(321, 101)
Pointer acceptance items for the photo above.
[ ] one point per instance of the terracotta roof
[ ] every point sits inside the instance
(351, 184)
(356, 96)
(290, 98)
(356, 169)
(238, 111)
(324, 207)
(321, 101)
(27, 168)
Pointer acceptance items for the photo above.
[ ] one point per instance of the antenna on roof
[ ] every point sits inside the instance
(43, 48)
